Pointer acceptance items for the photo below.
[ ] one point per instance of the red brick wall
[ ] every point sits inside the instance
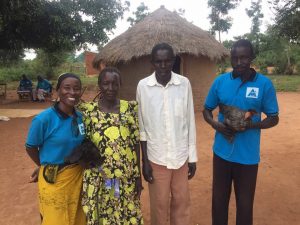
(88, 58)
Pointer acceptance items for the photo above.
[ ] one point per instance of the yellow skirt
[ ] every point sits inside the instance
(60, 203)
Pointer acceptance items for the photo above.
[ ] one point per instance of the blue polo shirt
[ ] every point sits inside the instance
(258, 94)
(55, 134)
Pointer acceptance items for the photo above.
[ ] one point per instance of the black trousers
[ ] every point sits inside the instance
(243, 178)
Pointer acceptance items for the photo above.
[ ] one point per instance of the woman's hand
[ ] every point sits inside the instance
(35, 175)
(138, 186)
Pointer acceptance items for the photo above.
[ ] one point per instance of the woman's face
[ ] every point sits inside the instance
(110, 85)
(69, 91)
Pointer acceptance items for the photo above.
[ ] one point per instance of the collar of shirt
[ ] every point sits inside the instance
(61, 113)
(174, 80)
(251, 78)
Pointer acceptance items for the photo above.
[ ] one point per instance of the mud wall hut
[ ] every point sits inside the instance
(196, 52)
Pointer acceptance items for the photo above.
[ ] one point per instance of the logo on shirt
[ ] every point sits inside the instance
(81, 128)
(252, 92)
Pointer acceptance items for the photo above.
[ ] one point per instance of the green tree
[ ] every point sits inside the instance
(287, 19)
(278, 52)
(255, 13)
(47, 62)
(140, 13)
(53, 25)
(219, 19)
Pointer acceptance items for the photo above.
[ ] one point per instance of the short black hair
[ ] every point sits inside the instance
(162, 46)
(65, 76)
(110, 70)
(243, 43)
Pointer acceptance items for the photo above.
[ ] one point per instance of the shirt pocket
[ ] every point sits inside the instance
(253, 103)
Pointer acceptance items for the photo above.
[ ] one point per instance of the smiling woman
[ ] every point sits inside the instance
(53, 135)
(111, 192)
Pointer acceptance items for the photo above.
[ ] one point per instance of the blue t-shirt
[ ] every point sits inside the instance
(55, 135)
(258, 94)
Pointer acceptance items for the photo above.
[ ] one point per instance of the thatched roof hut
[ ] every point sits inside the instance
(196, 49)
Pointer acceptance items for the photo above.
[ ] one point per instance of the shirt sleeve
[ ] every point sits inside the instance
(35, 137)
(140, 115)
(212, 99)
(191, 126)
(269, 103)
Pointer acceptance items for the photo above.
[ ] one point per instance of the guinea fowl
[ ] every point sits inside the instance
(235, 118)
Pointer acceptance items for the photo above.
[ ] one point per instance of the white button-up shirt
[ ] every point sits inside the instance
(167, 120)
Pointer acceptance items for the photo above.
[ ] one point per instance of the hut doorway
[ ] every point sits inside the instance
(176, 67)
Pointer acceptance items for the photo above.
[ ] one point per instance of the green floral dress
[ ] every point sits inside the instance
(109, 195)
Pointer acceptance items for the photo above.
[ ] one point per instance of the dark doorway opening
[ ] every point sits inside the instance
(176, 67)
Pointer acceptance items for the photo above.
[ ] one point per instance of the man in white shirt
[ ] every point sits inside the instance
(168, 138)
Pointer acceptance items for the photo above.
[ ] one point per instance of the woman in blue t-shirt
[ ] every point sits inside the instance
(53, 135)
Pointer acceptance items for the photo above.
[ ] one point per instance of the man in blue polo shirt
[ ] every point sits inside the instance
(237, 161)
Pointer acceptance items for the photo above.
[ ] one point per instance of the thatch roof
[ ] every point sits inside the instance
(161, 26)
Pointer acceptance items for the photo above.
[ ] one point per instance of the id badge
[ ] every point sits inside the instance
(117, 188)
(81, 128)
(108, 183)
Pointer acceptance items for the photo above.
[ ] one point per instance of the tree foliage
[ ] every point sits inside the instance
(219, 19)
(53, 25)
(287, 19)
(255, 13)
(276, 51)
(140, 13)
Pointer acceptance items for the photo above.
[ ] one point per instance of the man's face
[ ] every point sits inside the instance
(163, 63)
(241, 59)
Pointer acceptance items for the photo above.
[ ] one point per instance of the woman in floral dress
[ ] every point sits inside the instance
(111, 192)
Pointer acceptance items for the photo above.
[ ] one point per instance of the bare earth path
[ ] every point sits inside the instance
(277, 199)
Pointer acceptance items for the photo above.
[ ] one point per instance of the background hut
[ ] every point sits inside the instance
(197, 52)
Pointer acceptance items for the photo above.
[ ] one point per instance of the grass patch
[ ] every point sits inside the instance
(286, 83)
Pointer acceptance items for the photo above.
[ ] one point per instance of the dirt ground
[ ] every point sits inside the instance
(277, 200)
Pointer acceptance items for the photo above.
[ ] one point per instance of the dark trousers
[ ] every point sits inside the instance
(244, 181)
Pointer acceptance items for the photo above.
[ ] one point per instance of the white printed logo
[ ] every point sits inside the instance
(252, 92)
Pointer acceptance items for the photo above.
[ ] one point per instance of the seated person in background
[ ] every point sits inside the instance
(43, 87)
(25, 84)
(25, 87)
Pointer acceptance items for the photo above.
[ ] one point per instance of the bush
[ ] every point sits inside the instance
(32, 68)
(14, 73)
